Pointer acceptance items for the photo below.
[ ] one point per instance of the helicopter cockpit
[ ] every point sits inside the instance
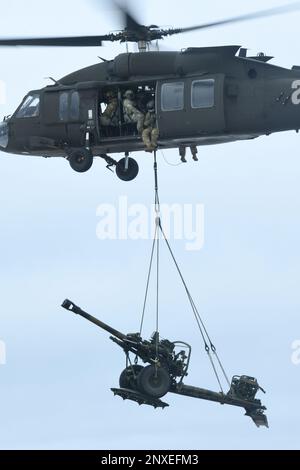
(30, 107)
(18, 131)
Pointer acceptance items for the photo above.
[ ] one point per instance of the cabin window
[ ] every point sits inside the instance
(74, 106)
(172, 96)
(30, 108)
(64, 106)
(203, 94)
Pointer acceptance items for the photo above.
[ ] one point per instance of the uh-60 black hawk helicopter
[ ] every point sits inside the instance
(202, 96)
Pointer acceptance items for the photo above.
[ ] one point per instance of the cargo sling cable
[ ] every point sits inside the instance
(210, 348)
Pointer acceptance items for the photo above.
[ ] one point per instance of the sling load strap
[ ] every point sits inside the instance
(203, 330)
(157, 202)
(208, 344)
(148, 280)
(157, 225)
(155, 247)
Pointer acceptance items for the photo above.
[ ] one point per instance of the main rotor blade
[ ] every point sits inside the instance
(80, 41)
(130, 22)
(238, 19)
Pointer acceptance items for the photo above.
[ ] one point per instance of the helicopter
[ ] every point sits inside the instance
(201, 95)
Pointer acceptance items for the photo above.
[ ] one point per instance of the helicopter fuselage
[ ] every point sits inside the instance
(203, 96)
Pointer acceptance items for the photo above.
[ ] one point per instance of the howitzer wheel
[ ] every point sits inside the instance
(154, 381)
(128, 378)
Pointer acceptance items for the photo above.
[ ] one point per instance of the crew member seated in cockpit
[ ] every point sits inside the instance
(131, 111)
(110, 115)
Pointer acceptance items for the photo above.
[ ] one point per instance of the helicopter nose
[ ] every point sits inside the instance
(3, 135)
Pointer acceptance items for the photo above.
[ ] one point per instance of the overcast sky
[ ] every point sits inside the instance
(55, 387)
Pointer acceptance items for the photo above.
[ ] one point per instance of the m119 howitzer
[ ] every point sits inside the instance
(168, 364)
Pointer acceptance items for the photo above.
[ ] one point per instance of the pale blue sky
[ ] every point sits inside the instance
(54, 389)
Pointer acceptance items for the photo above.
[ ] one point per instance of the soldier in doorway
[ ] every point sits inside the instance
(131, 111)
(110, 114)
(150, 133)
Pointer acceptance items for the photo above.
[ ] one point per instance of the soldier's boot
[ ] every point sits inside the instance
(182, 153)
(194, 151)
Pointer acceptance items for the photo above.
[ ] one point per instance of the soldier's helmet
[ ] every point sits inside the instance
(151, 105)
(129, 94)
(110, 94)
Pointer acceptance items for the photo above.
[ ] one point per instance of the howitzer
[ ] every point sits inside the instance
(168, 364)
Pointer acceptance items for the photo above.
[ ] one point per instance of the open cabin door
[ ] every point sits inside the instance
(191, 107)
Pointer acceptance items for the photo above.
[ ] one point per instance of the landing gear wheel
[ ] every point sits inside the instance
(127, 169)
(81, 160)
(128, 378)
(154, 381)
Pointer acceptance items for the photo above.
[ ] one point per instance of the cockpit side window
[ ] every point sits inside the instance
(30, 108)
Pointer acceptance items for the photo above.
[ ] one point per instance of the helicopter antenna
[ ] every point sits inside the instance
(52, 80)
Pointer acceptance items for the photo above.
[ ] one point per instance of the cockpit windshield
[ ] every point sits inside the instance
(3, 134)
(30, 108)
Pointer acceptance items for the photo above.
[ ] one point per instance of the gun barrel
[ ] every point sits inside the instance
(71, 307)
